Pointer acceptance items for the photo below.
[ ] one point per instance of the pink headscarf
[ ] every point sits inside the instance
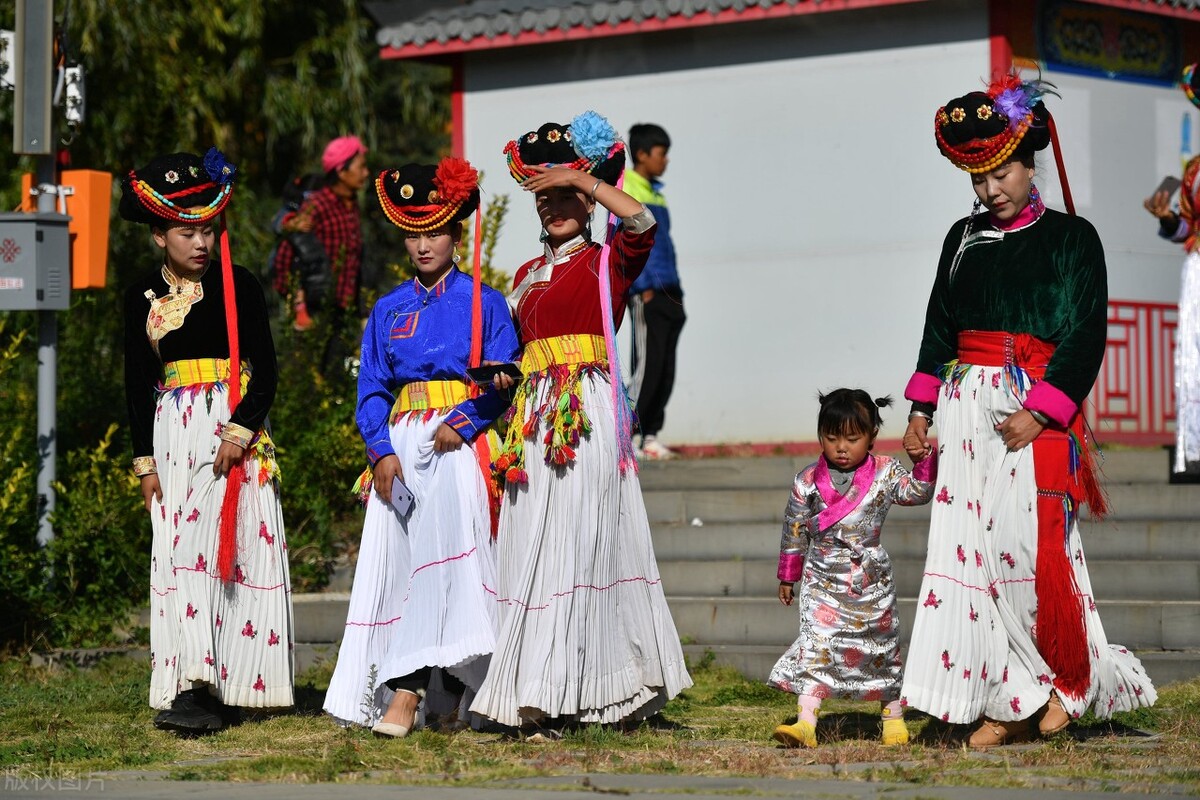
(341, 150)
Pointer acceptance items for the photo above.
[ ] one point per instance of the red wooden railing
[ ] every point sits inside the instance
(1133, 401)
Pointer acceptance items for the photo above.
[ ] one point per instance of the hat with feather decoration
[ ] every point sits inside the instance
(981, 130)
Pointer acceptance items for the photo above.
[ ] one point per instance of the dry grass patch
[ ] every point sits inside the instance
(78, 722)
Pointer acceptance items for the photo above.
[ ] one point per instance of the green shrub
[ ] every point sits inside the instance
(100, 555)
(320, 454)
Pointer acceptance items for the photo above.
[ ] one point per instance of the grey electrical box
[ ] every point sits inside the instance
(35, 262)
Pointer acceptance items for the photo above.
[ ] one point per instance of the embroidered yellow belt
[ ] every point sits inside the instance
(194, 371)
(574, 348)
(561, 360)
(430, 396)
(202, 371)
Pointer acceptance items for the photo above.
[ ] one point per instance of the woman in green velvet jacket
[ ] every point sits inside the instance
(1006, 630)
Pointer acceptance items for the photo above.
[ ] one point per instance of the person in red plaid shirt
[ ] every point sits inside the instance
(332, 215)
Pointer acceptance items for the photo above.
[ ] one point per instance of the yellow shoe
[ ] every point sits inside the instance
(801, 734)
(895, 732)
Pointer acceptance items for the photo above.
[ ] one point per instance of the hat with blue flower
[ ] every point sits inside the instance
(588, 143)
(981, 130)
(180, 188)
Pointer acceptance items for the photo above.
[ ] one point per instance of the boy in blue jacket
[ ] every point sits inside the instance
(655, 299)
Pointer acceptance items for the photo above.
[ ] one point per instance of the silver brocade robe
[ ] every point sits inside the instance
(849, 644)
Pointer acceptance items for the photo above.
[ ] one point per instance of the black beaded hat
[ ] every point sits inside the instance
(981, 130)
(589, 144)
(180, 188)
(422, 197)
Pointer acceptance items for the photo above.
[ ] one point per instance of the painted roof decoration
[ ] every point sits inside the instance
(415, 28)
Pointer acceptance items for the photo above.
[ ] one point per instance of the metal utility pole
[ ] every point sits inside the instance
(32, 135)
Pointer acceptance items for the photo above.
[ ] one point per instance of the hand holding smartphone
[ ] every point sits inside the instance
(483, 376)
(402, 497)
(1169, 185)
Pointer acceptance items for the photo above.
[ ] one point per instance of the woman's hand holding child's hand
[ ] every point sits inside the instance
(785, 593)
(916, 443)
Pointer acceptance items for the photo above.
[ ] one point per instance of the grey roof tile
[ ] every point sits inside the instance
(405, 23)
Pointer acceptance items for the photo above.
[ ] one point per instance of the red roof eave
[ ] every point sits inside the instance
(579, 32)
(1150, 7)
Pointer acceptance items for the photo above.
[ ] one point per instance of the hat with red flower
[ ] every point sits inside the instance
(423, 197)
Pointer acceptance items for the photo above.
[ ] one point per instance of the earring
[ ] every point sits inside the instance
(456, 258)
(544, 236)
(976, 207)
(1035, 199)
(587, 229)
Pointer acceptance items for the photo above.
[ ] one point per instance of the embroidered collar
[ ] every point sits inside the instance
(1030, 214)
(168, 312)
(543, 272)
(424, 296)
(179, 284)
(565, 252)
(838, 507)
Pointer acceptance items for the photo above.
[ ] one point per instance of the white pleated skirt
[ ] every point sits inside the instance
(1187, 368)
(424, 585)
(973, 651)
(585, 632)
(234, 636)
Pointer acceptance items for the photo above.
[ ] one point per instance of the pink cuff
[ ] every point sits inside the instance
(925, 470)
(790, 567)
(923, 388)
(1052, 402)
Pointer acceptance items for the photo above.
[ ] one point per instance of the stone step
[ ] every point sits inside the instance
(1132, 539)
(1137, 624)
(754, 662)
(1139, 466)
(1127, 501)
(1111, 580)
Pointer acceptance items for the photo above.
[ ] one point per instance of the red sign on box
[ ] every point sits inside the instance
(9, 250)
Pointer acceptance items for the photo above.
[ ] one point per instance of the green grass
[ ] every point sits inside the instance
(75, 722)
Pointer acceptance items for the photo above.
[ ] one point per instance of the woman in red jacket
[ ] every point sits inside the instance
(585, 632)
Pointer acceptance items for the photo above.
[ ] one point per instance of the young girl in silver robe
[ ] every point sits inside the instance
(849, 644)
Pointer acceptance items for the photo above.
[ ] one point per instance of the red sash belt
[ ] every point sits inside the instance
(1065, 477)
(1001, 349)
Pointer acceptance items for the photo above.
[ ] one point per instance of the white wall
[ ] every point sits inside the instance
(808, 199)
(1119, 140)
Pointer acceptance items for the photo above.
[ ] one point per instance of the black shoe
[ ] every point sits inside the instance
(190, 713)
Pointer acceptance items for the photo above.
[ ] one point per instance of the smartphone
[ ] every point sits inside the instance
(402, 497)
(1169, 185)
(483, 376)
